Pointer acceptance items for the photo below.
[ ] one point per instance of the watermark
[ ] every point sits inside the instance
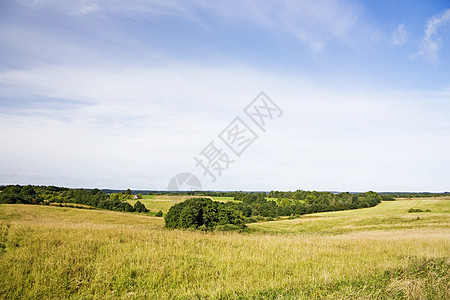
(184, 182)
(238, 136)
(215, 159)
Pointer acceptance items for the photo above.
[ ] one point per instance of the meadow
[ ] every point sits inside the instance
(382, 252)
(163, 203)
(387, 215)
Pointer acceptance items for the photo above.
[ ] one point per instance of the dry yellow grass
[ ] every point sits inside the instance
(52, 252)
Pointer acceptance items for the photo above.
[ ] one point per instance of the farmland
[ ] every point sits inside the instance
(379, 252)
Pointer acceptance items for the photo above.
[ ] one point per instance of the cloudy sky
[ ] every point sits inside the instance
(124, 94)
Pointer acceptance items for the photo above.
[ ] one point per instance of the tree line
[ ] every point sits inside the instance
(203, 213)
(16, 194)
(275, 204)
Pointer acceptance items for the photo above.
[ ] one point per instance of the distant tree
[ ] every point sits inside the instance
(139, 207)
(139, 195)
(128, 194)
(159, 214)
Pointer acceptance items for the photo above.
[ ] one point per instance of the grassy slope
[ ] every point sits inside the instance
(385, 216)
(52, 252)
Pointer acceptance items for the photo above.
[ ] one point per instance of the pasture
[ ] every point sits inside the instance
(382, 252)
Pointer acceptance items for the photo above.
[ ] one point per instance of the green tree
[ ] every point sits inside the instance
(128, 194)
(201, 212)
(139, 207)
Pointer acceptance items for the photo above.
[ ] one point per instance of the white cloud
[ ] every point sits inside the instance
(399, 35)
(431, 43)
(88, 8)
(141, 126)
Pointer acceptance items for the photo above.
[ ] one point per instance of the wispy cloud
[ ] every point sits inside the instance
(88, 8)
(399, 35)
(431, 42)
(312, 23)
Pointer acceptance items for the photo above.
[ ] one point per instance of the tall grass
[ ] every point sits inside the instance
(387, 215)
(54, 253)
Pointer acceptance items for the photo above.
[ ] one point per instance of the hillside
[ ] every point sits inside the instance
(387, 215)
(53, 253)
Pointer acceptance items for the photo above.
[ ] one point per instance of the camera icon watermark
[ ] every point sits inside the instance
(184, 182)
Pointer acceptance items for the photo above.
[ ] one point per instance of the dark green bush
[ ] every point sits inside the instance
(139, 207)
(202, 212)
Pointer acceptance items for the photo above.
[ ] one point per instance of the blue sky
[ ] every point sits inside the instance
(115, 94)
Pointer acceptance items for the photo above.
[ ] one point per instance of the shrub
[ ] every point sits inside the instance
(159, 214)
(139, 207)
(414, 210)
(201, 212)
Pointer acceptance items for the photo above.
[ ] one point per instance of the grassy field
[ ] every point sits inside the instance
(155, 203)
(52, 253)
(225, 199)
(388, 215)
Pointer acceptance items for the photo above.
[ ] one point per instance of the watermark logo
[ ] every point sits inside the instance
(184, 182)
(237, 137)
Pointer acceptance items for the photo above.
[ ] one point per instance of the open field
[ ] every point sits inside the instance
(387, 215)
(225, 199)
(155, 203)
(53, 253)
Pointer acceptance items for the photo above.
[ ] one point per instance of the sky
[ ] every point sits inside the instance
(130, 94)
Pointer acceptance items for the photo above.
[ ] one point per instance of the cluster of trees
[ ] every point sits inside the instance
(301, 202)
(413, 195)
(205, 214)
(124, 195)
(13, 194)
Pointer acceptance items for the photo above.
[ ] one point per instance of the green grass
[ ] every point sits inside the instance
(225, 199)
(149, 196)
(387, 215)
(65, 253)
(155, 203)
